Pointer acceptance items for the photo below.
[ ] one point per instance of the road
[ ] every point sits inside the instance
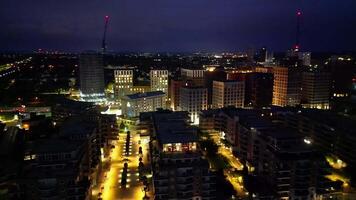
(226, 152)
(236, 181)
(111, 187)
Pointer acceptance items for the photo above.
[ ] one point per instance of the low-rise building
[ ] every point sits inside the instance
(134, 104)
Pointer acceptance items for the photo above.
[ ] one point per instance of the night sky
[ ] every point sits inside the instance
(177, 25)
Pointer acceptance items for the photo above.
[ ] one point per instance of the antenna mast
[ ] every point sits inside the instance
(297, 35)
(103, 45)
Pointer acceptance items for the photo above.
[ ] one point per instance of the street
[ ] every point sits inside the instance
(236, 181)
(111, 188)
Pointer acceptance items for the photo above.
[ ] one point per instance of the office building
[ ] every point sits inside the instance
(134, 104)
(316, 89)
(194, 76)
(305, 57)
(54, 169)
(193, 100)
(123, 83)
(213, 74)
(141, 87)
(228, 93)
(332, 134)
(289, 167)
(258, 89)
(286, 86)
(179, 170)
(174, 90)
(342, 71)
(91, 71)
(159, 80)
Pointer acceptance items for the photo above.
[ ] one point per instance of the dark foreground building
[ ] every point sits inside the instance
(179, 171)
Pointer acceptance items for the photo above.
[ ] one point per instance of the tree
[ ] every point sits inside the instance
(122, 126)
(210, 147)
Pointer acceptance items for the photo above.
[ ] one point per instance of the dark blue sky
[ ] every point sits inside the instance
(177, 25)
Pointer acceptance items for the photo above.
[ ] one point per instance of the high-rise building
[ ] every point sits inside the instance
(134, 104)
(193, 100)
(91, 71)
(258, 89)
(194, 76)
(228, 93)
(159, 80)
(315, 89)
(261, 56)
(174, 89)
(179, 169)
(305, 57)
(215, 74)
(342, 70)
(286, 86)
(123, 83)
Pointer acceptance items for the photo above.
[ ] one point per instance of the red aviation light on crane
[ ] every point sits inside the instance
(107, 17)
(299, 13)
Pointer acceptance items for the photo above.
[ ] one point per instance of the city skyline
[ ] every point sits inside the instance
(177, 26)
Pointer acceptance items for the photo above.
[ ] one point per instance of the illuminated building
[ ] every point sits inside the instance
(123, 83)
(217, 74)
(228, 93)
(189, 76)
(174, 89)
(159, 80)
(316, 89)
(179, 169)
(193, 100)
(286, 86)
(134, 104)
(91, 71)
(194, 76)
(140, 89)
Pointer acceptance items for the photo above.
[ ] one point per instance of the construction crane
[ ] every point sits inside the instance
(103, 45)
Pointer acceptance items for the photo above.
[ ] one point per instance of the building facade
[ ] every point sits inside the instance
(134, 104)
(174, 90)
(316, 89)
(258, 89)
(91, 71)
(193, 100)
(228, 93)
(286, 86)
(179, 170)
(159, 80)
(123, 83)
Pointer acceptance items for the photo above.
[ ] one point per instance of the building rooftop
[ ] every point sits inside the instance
(145, 95)
(172, 127)
(52, 145)
(75, 126)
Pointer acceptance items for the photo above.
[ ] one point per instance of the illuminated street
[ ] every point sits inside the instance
(112, 188)
(236, 181)
(226, 152)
